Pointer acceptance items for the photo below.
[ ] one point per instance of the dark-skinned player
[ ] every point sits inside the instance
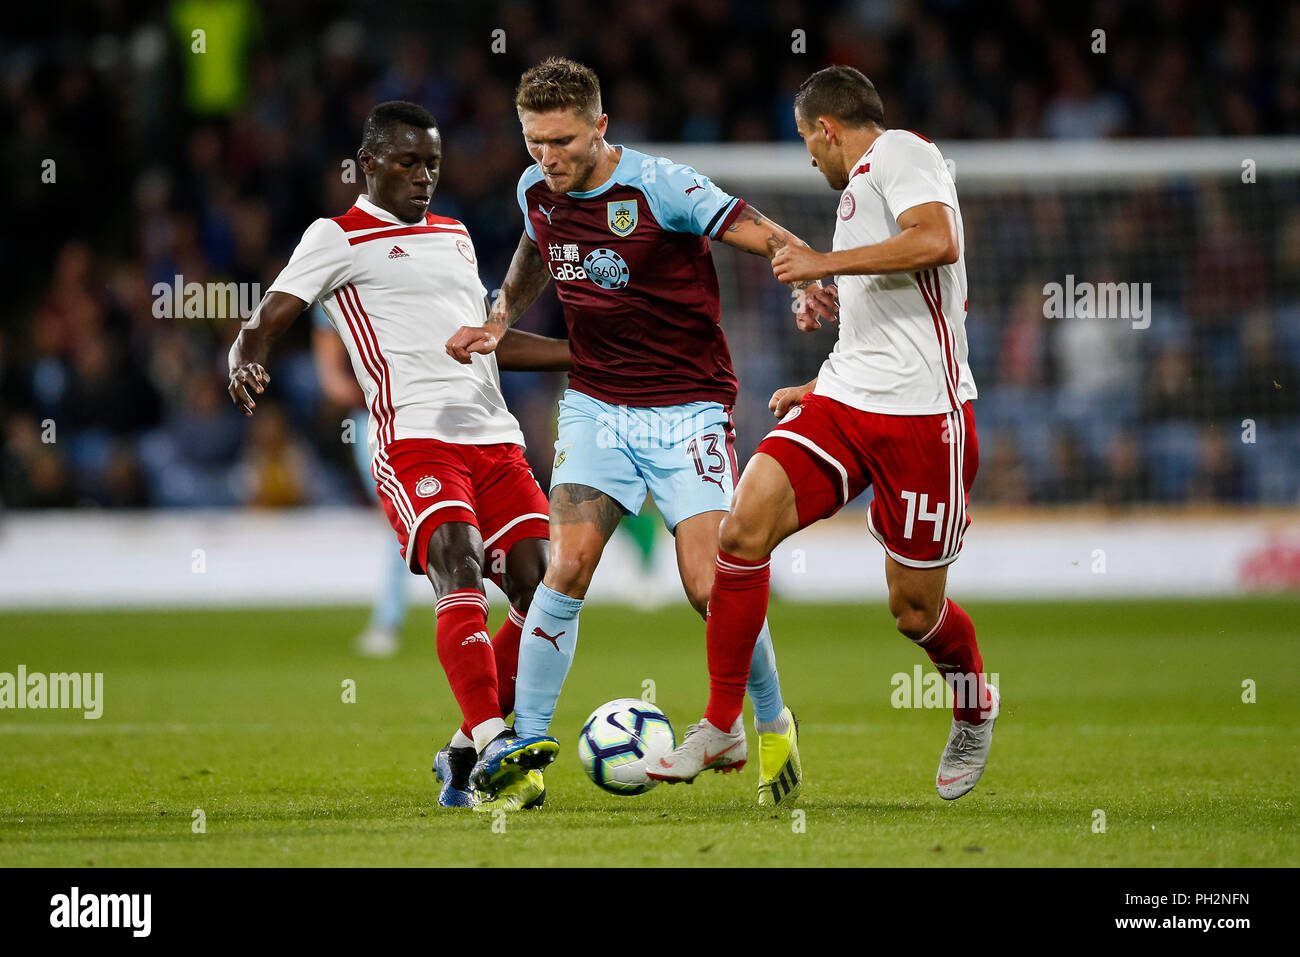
(446, 455)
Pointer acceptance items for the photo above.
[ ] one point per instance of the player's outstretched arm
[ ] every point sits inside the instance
(928, 239)
(755, 233)
(247, 359)
(520, 351)
(525, 280)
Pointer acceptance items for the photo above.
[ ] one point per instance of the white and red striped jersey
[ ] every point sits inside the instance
(902, 341)
(396, 292)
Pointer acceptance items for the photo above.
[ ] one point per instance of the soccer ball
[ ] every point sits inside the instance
(619, 740)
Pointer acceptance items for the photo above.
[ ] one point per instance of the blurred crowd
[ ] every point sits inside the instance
(198, 138)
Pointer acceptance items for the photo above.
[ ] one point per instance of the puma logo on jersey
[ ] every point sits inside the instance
(691, 189)
(716, 481)
(397, 252)
(546, 212)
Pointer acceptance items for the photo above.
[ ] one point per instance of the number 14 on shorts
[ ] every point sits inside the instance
(918, 509)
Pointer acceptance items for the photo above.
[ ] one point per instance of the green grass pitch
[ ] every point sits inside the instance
(1133, 709)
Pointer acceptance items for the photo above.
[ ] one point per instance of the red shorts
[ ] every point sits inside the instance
(424, 482)
(922, 467)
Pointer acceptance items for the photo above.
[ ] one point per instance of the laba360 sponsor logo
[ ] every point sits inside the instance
(75, 909)
(72, 690)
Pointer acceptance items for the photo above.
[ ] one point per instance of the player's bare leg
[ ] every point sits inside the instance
(916, 596)
(582, 521)
(944, 631)
(454, 565)
(763, 514)
(780, 775)
(696, 541)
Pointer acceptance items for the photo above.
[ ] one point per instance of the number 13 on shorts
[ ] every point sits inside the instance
(710, 461)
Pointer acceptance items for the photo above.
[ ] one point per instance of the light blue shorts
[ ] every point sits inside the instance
(682, 455)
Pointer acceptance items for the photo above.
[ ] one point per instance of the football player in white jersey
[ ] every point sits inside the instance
(890, 408)
(446, 455)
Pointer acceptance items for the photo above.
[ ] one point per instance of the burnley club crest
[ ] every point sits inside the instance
(622, 216)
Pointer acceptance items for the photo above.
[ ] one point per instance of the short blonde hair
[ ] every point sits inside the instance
(559, 84)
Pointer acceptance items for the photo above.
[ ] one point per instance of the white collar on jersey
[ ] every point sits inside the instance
(365, 205)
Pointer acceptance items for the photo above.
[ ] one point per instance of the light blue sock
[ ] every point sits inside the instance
(545, 654)
(764, 684)
(390, 607)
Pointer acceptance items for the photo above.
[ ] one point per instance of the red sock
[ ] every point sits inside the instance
(737, 607)
(951, 646)
(466, 654)
(505, 648)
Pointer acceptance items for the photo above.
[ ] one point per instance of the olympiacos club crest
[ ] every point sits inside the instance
(622, 216)
(428, 487)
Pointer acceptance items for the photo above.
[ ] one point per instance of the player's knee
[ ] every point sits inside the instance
(454, 559)
(524, 570)
(913, 619)
(454, 570)
(743, 539)
(520, 594)
(570, 571)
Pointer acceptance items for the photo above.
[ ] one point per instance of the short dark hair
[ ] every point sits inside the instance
(382, 122)
(841, 93)
(559, 84)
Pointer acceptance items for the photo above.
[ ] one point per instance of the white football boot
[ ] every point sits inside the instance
(704, 748)
(967, 752)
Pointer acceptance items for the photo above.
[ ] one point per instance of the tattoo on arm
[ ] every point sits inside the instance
(581, 504)
(775, 240)
(524, 282)
(776, 237)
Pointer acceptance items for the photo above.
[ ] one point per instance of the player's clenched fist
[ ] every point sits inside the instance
(468, 340)
(783, 400)
(245, 379)
(799, 263)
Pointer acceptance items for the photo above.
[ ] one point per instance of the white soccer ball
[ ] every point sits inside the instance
(618, 742)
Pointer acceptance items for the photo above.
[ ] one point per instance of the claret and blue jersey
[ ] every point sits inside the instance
(634, 273)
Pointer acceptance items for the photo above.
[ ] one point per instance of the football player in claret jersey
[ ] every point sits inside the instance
(625, 237)
(891, 408)
(446, 455)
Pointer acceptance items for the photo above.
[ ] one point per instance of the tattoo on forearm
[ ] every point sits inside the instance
(524, 282)
(775, 237)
